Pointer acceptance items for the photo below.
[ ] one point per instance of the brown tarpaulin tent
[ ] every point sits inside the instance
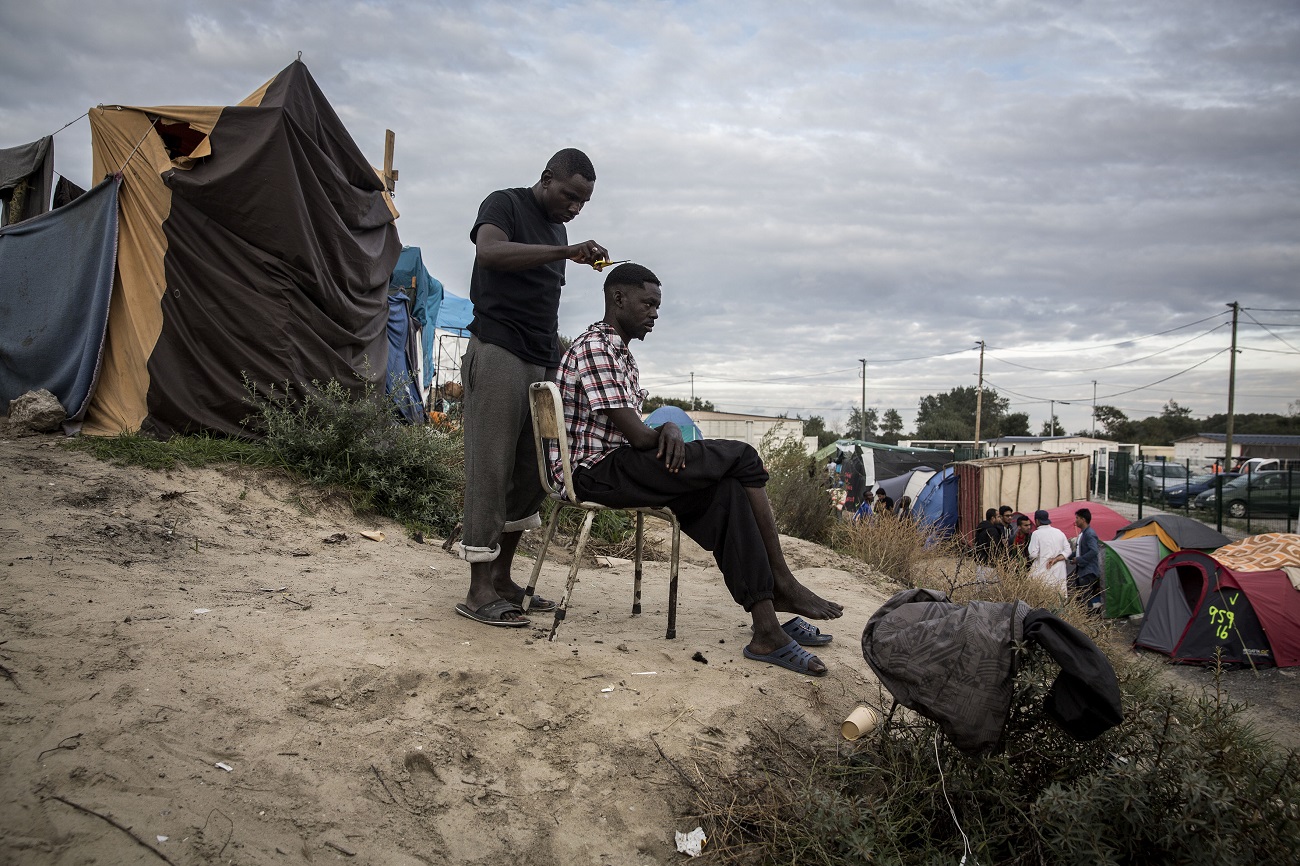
(256, 244)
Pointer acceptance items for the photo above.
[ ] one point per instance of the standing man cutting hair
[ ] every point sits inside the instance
(520, 247)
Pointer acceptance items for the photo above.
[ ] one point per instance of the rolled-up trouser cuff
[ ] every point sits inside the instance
(532, 521)
(480, 554)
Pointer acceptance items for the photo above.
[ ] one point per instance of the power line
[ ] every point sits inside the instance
(1120, 343)
(1265, 327)
(1121, 393)
(1112, 366)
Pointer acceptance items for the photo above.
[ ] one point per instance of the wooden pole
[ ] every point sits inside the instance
(390, 173)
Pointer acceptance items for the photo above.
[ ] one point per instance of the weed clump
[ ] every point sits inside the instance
(412, 473)
(800, 503)
(900, 547)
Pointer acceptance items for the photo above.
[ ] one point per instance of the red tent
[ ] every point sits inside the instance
(1105, 521)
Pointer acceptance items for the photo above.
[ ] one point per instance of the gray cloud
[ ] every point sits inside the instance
(813, 184)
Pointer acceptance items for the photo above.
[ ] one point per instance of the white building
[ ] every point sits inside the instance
(748, 428)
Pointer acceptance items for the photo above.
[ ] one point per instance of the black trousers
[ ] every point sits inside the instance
(707, 496)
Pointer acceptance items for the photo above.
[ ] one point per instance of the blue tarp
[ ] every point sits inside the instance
(456, 313)
(401, 381)
(664, 414)
(413, 278)
(936, 504)
(435, 307)
(56, 278)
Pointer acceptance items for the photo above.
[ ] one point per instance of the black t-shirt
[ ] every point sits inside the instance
(519, 310)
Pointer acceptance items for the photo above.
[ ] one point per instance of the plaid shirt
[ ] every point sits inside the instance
(598, 372)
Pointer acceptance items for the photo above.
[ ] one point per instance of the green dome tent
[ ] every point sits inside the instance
(1129, 561)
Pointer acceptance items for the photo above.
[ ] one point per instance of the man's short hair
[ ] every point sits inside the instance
(1085, 514)
(630, 274)
(990, 514)
(1006, 509)
(569, 162)
(1024, 518)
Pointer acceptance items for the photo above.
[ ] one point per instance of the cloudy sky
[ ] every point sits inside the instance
(1083, 186)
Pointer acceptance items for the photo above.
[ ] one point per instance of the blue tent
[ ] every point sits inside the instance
(664, 414)
(936, 504)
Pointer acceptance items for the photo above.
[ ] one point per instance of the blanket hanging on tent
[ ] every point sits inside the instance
(26, 180)
(56, 279)
(1271, 551)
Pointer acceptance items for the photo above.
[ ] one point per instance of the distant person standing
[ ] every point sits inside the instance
(520, 247)
(988, 544)
(1008, 518)
(1087, 560)
(1048, 550)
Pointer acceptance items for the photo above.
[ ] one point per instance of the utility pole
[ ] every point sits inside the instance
(979, 401)
(1051, 424)
(692, 390)
(1094, 408)
(862, 419)
(1232, 389)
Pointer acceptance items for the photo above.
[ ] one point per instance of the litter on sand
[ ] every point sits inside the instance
(692, 843)
(202, 610)
(645, 673)
(610, 689)
(222, 765)
(373, 536)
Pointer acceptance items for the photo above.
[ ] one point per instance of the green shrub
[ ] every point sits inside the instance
(800, 503)
(412, 473)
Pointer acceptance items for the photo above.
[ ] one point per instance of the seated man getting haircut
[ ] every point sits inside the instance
(714, 486)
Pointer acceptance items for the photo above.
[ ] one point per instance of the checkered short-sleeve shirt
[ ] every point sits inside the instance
(598, 372)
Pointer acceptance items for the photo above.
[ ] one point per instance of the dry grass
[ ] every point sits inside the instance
(905, 551)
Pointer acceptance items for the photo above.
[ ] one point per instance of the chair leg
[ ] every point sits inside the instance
(636, 583)
(573, 574)
(541, 557)
(672, 582)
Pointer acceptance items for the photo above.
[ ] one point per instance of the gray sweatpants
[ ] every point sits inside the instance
(502, 490)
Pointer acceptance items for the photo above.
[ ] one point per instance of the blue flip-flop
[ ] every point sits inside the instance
(805, 633)
(792, 657)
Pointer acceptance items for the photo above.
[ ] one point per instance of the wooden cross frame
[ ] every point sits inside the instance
(389, 173)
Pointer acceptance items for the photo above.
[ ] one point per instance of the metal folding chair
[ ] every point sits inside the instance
(548, 425)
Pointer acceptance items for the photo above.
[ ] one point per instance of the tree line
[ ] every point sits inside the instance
(952, 416)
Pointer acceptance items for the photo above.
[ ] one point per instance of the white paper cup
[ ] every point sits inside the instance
(860, 722)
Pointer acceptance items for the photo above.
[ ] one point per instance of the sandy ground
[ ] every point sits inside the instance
(155, 626)
(199, 657)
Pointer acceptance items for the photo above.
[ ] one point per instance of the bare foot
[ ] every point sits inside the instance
(794, 597)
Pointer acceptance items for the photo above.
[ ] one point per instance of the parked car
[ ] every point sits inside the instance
(1274, 491)
(1185, 491)
(1158, 477)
